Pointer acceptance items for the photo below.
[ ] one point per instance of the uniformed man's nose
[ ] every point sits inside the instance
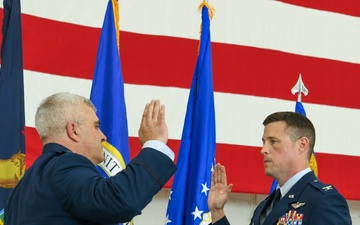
(263, 150)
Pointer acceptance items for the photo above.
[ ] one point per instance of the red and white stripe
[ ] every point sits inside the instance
(259, 49)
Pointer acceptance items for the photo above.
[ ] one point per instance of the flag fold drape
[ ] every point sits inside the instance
(107, 94)
(192, 181)
(12, 112)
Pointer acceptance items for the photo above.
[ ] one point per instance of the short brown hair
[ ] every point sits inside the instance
(297, 126)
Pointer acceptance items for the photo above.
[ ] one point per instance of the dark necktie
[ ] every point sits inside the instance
(268, 208)
(276, 197)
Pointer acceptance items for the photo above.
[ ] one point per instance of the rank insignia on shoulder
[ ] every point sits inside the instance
(326, 188)
(291, 218)
(297, 205)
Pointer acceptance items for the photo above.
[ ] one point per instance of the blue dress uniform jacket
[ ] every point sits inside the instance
(63, 187)
(309, 201)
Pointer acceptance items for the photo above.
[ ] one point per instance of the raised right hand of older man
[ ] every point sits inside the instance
(153, 126)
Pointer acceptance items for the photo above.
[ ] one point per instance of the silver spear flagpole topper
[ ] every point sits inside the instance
(299, 88)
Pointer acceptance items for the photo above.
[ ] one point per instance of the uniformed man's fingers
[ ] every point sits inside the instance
(213, 177)
(223, 175)
(217, 174)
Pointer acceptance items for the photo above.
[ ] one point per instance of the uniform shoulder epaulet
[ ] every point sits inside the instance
(324, 188)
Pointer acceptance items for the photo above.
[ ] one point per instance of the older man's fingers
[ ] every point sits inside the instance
(156, 109)
(162, 113)
(145, 112)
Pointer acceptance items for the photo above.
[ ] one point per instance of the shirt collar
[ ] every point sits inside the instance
(55, 147)
(292, 181)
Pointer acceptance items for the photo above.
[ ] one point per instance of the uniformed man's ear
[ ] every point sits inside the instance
(303, 144)
(71, 130)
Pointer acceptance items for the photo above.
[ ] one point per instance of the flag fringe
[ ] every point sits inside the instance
(313, 165)
(115, 5)
(211, 12)
(211, 9)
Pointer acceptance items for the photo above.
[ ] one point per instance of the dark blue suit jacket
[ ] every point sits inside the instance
(63, 187)
(318, 203)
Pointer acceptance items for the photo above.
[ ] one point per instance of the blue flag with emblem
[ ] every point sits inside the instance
(190, 188)
(300, 88)
(12, 112)
(107, 94)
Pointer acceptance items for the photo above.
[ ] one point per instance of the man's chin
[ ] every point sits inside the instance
(268, 173)
(101, 160)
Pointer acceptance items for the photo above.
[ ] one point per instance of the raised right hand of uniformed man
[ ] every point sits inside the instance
(219, 192)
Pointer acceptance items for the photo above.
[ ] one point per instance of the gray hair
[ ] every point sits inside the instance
(56, 111)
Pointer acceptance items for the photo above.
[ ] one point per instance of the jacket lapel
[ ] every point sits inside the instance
(261, 211)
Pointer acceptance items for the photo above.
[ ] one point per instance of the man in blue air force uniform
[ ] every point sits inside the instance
(63, 185)
(300, 198)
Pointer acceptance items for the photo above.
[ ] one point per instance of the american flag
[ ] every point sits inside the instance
(259, 48)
